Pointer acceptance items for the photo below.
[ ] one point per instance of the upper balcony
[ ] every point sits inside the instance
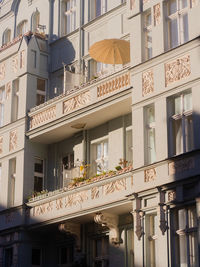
(78, 108)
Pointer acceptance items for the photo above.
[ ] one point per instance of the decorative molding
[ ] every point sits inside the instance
(95, 192)
(110, 221)
(172, 195)
(116, 83)
(76, 102)
(8, 90)
(177, 70)
(138, 217)
(115, 186)
(15, 62)
(2, 71)
(161, 212)
(180, 166)
(147, 82)
(149, 175)
(74, 229)
(157, 14)
(13, 140)
(1, 144)
(43, 117)
(76, 199)
(22, 59)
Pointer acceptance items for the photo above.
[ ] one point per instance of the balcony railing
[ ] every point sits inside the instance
(80, 97)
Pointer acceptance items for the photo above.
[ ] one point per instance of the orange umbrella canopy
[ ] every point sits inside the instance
(111, 51)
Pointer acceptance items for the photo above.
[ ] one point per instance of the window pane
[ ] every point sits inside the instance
(185, 28)
(105, 149)
(182, 219)
(38, 184)
(187, 102)
(173, 28)
(98, 8)
(150, 114)
(151, 145)
(193, 243)
(148, 20)
(177, 127)
(172, 7)
(189, 133)
(183, 3)
(98, 151)
(177, 103)
(183, 250)
(36, 256)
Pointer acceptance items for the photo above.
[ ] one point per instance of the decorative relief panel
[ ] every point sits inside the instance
(76, 102)
(146, 1)
(8, 90)
(2, 70)
(115, 186)
(171, 196)
(147, 82)
(15, 63)
(13, 140)
(75, 199)
(149, 175)
(157, 14)
(22, 59)
(95, 192)
(115, 84)
(177, 70)
(42, 117)
(1, 144)
(132, 4)
(181, 166)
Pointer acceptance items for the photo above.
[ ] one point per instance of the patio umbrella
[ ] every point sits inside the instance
(111, 51)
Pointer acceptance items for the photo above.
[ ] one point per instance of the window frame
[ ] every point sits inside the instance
(72, 14)
(39, 174)
(148, 34)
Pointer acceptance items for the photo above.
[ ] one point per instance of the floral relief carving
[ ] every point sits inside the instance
(177, 70)
(181, 165)
(171, 196)
(1, 144)
(115, 186)
(15, 63)
(147, 82)
(76, 102)
(149, 175)
(42, 117)
(77, 198)
(13, 140)
(157, 14)
(2, 71)
(95, 192)
(115, 84)
(8, 90)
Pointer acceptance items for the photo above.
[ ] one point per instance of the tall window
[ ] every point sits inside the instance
(185, 238)
(22, 27)
(15, 100)
(100, 156)
(11, 182)
(148, 34)
(100, 254)
(70, 16)
(180, 123)
(98, 7)
(41, 91)
(150, 230)
(150, 143)
(6, 37)
(38, 175)
(97, 69)
(68, 169)
(2, 103)
(177, 22)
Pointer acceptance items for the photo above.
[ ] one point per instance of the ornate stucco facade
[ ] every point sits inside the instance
(99, 164)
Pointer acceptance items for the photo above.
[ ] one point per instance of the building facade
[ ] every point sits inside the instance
(99, 164)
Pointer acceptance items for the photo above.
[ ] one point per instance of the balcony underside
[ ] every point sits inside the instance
(90, 116)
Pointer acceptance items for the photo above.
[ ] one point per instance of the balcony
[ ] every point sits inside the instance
(66, 114)
(103, 191)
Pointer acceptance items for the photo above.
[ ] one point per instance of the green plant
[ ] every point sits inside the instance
(118, 168)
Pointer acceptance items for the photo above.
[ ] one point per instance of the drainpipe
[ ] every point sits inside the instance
(167, 217)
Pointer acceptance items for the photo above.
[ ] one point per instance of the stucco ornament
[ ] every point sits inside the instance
(115, 186)
(138, 215)
(13, 140)
(171, 195)
(8, 90)
(15, 63)
(162, 212)
(149, 175)
(2, 71)
(42, 117)
(95, 192)
(1, 144)
(74, 229)
(76, 102)
(157, 14)
(110, 221)
(181, 165)
(177, 70)
(147, 82)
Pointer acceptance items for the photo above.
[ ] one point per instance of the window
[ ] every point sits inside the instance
(100, 255)
(38, 175)
(35, 21)
(36, 257)
(150, 230)
(65, 255)
(98, 7)
(2, 103)
(8, 253)
(41, 91)
(101, 156)
(150, 142)
(70, 16)
(6, 37)
(185, 238)
(181, 123)
(177, 22)
(15, 101)
(11, 182)
(148, 34)
(22, 27)
(129, 144)
(97, 69)
(69, 170)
